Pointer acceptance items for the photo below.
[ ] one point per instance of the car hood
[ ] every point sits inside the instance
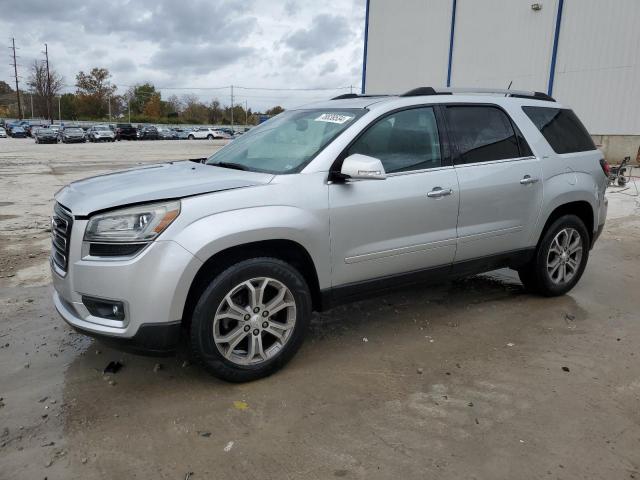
(153, 182)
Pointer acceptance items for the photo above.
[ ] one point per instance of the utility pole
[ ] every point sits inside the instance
(246, 114)
(31, 105)
(49, 102)
(351, 89)
(109, 108)
(231, 107)
(59, 109)
(129, 108)
(15, 70)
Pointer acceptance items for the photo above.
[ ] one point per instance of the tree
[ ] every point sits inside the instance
(194, 110)
(93, 91)
(68, 106)
(5, 87)
(173, 106)
(274, 111)
(139, 95)
(43, 88)
(153, 108)
(215, 112)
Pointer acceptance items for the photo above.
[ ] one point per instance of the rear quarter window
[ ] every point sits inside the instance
(561, 128)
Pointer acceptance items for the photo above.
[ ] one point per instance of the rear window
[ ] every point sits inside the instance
(561, 128)
(482, 133)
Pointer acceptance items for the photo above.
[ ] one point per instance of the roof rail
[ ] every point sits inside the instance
(507, 93)
(346, 95)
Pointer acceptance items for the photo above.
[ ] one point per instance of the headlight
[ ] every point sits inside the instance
(142, 223)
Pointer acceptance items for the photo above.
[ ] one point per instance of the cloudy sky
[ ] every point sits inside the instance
(183, 44)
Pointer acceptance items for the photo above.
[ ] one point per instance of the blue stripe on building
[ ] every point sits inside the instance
(366, 40)
(451, 37)
(554, 53)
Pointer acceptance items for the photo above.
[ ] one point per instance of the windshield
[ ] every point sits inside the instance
(73, 130)
(286, 142)
(101, 127)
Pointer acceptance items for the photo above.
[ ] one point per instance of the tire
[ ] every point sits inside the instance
(191, 137)
(557, 266)
(290, 322)
(209, 137)
(37, 141)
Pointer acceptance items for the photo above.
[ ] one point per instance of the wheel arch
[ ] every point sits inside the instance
(286, 250)
(580, 208)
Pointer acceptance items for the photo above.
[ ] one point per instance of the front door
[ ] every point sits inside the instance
(406, 223)
(500, 182)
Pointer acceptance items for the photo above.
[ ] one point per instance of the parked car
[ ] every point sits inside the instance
(182, 133)
(148, 133)
(3, 133)
(18, 132)
(322, 205)
(202, 133)
(45, 135)
(126, 131)
(166, 133)
(101, 133)
(71, 135)
(229, 133)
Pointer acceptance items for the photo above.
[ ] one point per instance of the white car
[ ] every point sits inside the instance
(204, 132)
(3, 133)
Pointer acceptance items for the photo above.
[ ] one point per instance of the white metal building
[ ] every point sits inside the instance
(584, 53)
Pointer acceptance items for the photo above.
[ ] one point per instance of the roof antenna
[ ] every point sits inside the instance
(509, 87)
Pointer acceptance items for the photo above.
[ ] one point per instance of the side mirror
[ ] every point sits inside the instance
(362, 167)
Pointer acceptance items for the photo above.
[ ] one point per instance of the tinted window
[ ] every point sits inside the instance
(403, 141)
(482, 133)
(561, 128)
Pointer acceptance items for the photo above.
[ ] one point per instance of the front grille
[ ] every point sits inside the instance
(61, 225)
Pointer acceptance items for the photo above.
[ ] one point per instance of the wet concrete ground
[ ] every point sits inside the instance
(472, 379)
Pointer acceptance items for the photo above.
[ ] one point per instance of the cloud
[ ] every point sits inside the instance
(194, 43)
(325, 33)
(291, 8)
(198, 60)
(329, 67)
(123, 65)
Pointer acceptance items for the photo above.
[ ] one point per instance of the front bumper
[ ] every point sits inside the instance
(150, 339)
(152, 286)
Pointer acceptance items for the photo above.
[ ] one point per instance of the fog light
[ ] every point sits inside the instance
(108, 309)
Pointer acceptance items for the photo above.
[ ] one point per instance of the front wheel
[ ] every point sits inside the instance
(560, 258)
(251, 319)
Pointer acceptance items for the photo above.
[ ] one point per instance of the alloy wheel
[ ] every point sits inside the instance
(564, 256)
(254, 321)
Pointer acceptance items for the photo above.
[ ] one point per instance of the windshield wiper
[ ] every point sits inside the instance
(235, 166)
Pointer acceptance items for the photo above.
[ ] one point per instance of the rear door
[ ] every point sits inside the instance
(405, 223)
(500, 181)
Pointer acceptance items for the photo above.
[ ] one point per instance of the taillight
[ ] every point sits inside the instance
(606, 168)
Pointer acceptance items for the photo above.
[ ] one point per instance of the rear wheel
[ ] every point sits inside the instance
(251, 319)
(191, 137)
(560, 258)
(209, 137)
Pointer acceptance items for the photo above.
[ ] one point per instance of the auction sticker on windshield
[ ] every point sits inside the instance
(333, 118)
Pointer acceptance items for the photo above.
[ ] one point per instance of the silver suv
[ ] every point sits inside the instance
(321, 205)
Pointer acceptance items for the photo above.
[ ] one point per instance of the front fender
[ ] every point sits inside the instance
(215, 233)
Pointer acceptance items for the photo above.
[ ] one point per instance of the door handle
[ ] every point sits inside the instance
(528, 179)
(438, 192)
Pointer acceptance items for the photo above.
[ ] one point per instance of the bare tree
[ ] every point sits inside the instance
(43, 89)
